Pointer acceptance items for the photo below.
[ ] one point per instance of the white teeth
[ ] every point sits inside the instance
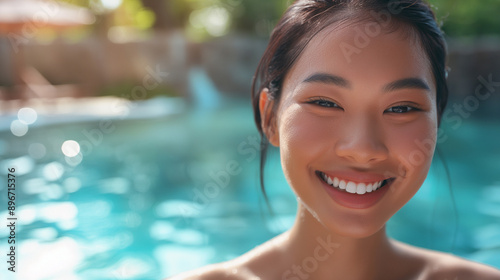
(361, 188)
(336, 182)
(342, 184)
(352, 187)
(329, 180)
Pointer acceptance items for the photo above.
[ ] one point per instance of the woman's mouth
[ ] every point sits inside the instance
(364, 193)
(353, 187)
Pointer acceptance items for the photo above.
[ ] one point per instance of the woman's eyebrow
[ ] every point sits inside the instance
(327, 79)
(407, 83)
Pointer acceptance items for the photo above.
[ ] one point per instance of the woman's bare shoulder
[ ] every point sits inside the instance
(226, 270)
(444, 266)
(255, 264)
(455, 268)
(242, 268)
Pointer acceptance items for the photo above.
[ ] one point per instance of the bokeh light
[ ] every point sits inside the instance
(70, 148)
(215, 20)
(24, 165)
(27, 115)
(72, 184)
(47, 260)
(111, 4)
(18, 128)
(56, 212)
(53, 171)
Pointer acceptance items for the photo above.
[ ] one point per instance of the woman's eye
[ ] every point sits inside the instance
(401, 109)
(323, 103)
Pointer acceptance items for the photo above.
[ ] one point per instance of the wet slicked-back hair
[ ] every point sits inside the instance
(306, 18)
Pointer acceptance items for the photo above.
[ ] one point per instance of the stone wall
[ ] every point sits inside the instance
(474, 77)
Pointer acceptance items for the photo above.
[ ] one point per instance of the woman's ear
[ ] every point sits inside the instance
(268, 118)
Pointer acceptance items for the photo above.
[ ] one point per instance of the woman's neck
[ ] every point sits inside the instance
(316, 253)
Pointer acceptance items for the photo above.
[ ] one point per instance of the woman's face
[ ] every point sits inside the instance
(355, 115)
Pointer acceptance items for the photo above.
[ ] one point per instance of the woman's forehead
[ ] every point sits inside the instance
(356, 51)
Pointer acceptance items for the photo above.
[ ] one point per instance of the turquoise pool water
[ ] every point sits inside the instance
(156, 196)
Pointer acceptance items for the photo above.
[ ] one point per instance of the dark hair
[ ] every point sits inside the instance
(305, 18)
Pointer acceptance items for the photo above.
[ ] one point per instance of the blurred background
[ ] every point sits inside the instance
(130, 127)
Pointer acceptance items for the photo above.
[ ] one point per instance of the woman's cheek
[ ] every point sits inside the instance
(303, 138)
(414, 144)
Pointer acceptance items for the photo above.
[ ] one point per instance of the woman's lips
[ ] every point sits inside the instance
(354, 194)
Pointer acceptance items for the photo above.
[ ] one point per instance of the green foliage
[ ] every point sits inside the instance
(459, 17)
(133, 13)
(468, 18)
(260, 15)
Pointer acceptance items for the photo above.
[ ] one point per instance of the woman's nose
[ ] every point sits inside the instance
(361, 141)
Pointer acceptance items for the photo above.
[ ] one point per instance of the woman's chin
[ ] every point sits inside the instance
(353, 228)
(349, 223)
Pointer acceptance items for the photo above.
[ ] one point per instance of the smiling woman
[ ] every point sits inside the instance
(351, 92)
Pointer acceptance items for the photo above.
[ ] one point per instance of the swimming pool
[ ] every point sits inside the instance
(151, 197)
